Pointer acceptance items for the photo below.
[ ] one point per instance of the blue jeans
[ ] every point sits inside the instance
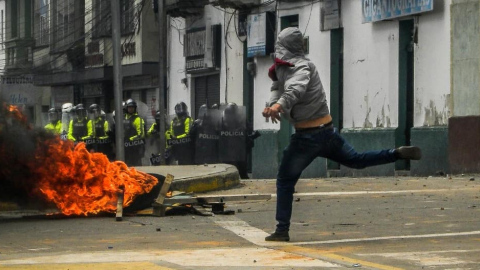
(303, 149)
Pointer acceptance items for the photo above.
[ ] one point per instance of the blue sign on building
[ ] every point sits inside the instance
(379, 10)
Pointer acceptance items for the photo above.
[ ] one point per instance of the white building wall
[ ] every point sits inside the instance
(177, 91)
(232, 58)
(231, 62)
(370, 70)
(432, 67)
(371, 66)
(371, 62)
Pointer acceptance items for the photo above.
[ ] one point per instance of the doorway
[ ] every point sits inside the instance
(406, 85)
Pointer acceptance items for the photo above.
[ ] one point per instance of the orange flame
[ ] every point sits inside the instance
(80, 182)
(17, 114)
(77, 181)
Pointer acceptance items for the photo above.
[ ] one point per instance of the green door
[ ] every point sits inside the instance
(336, 84)
(405, 88)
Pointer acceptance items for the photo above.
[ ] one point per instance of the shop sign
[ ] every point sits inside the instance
(330, 11)
(256, 36)
(17, 79)
(19, 96)
(379, 10)
(18, 90)
(194, 49)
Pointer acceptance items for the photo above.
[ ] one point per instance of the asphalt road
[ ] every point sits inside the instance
(338, 223)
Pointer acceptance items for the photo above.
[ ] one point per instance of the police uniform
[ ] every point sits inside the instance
(55, 128)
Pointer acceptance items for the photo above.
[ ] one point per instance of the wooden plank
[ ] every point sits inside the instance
(158, 207)
(164, 190)
(217, 198)
(120, 198)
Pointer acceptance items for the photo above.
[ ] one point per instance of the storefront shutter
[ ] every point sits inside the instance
(207, 91)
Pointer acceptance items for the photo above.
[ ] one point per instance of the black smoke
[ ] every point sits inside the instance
(18, 146)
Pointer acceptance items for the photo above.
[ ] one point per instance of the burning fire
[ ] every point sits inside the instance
(77, 181)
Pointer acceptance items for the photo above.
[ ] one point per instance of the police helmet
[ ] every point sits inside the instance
(95, 110)
(203, 111)
(67, 107)
(124, 107)
(181, 109)
(53, 115)
(231, 112)
(80, 111)
(130, 103)
(231, 109)
(215, 106)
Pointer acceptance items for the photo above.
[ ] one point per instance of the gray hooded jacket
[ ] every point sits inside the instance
(298, 90)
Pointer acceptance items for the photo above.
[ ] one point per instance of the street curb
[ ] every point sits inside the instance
(211, 182)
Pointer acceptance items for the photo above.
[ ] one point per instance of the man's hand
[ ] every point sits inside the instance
(273, 112)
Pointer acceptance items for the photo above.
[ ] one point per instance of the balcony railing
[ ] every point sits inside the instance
(236, 4)
(185, 8)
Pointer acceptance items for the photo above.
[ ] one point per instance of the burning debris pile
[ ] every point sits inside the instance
(36, 166)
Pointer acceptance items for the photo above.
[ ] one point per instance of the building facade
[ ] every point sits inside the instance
(73, 52)
(386, 69)
(18, 44)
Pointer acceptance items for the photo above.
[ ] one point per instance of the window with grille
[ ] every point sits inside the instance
(42, 32)
(64, 13)
(14, 12)
(127, 14)
(102, 19)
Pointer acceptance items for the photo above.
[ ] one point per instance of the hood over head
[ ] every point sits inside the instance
(289, 44)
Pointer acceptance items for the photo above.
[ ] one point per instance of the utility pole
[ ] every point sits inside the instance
(117, 81)
(162, 67)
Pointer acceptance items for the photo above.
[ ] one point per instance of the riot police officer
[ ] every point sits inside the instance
(98, 122)
(80, 129)
(103, 143)
(155, 128)
(180, 140)
(134, 127)
(55, 123)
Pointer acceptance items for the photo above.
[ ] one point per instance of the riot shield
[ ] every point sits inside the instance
(182, 150)
(233, 135)
(142, 109)
(206, 134)
(134, 151)
(66, 118)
